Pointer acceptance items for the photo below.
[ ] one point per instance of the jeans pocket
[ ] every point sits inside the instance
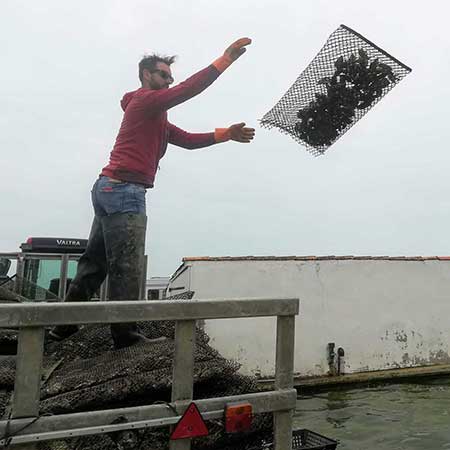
(110, 196)
(134, 199)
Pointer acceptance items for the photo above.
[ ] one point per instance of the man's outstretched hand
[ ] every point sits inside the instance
(237, 132)
(240, 133)
(237, 48)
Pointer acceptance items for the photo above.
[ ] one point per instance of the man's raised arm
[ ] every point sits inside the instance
(161, 100)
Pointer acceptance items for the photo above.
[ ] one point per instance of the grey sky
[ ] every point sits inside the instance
(381, 189)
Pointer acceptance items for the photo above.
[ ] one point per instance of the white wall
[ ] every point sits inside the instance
(180, 281)
(385, 314)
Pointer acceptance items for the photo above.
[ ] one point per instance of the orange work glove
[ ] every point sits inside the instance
(237, 132)
(231, 54)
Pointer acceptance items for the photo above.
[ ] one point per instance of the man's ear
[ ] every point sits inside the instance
(146, 74)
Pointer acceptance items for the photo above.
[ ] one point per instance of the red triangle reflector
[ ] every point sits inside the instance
(190, 425)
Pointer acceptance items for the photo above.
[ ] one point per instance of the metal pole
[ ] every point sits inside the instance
(27, 385)
(63, 276)
(284, 379)
(142, 292)
(20, 270)
(183, 370)
(63, 425)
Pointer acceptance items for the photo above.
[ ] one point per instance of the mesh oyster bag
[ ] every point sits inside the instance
(342, 83)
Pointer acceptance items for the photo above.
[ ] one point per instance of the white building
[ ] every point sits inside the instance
(383, 312)
(155, 288)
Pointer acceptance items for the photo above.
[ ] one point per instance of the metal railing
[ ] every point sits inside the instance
(26, 427)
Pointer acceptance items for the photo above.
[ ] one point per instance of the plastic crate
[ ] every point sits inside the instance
(302, 440)
(308, 440)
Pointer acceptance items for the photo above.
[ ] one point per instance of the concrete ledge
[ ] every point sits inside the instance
(392, 375)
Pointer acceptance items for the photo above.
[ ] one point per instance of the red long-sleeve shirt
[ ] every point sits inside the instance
(145, 130)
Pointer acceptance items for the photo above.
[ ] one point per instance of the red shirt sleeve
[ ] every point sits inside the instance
(164, 99)
(182, 138)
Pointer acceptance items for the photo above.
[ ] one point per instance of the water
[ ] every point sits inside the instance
(387, 417)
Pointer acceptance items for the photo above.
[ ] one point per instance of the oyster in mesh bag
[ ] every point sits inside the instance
(347, 77)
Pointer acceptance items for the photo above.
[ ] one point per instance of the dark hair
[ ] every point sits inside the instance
(149, 62)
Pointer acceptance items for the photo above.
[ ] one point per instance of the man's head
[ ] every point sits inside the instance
(154, 71)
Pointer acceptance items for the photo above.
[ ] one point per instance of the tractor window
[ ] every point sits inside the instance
(153, 294)
(5, 264)
(50, 270)
(43, 275)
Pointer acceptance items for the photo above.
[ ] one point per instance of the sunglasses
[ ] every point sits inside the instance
(163, 74)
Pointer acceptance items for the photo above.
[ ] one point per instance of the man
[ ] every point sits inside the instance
(117, 238)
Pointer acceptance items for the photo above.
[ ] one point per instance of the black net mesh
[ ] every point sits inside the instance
(5, 396)
(346, 78)
(7, 371)
(85, 373)
(117, 377)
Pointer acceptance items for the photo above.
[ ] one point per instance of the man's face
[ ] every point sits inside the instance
(160, 77)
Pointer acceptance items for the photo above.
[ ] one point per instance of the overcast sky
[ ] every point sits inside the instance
(382, 189)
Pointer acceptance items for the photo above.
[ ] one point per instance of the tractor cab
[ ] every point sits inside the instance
(40, 267)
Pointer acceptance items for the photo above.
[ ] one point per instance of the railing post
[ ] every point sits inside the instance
(284, 379)
(20, 270)
(183, 370)
(63, 276)
(27, 385)
(142, 290)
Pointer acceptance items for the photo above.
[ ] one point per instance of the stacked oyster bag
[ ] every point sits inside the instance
(347, 77)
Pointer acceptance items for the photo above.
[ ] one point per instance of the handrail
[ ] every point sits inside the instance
(10, 255)
(36, 255)
(48, 314)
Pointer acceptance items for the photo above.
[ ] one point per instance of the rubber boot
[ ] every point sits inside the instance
(125, 245)
(91, 272)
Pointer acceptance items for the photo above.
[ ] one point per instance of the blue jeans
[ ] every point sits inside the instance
(111, 197)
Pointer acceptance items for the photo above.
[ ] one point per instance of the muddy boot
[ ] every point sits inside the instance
(126, 334)
(61, 332)
(125, 245)
(91, 272)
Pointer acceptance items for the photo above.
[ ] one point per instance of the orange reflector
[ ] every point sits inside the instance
(238, 417)
(190, 425)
